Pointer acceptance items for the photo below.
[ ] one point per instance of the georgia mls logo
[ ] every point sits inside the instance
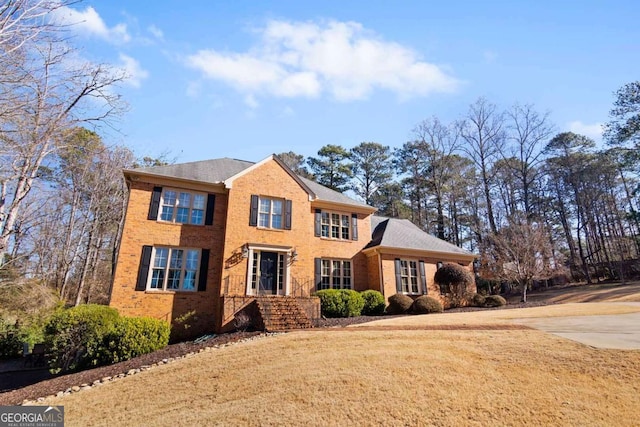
(31, 416)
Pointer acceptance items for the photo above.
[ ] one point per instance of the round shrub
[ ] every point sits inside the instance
(340, 302)
(454, 280)
(494, 301)
(399, 304)
(478, 300)
(131, 337)
(73, 336)
(374, 303)
(425, 304)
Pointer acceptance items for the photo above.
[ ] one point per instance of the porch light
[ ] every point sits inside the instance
(294, 255)
(245, 251)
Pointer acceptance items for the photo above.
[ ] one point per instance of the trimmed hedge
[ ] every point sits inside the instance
(374, 303)
(133, 336)
(92, 335)
(494, 301)
(340, 302)
(425, 304)
(399, 304)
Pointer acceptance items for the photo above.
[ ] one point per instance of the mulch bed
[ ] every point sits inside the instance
(63, 382)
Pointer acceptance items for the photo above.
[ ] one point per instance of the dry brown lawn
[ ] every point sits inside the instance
(383, 377)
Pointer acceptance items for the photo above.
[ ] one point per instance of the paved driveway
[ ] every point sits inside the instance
(619, 331)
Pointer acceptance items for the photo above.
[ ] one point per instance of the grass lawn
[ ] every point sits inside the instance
(358, 376)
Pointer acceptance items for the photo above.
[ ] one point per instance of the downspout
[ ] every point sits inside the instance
(380, 273)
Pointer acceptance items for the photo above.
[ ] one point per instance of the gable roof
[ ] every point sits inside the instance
(394, 233)
(224, 170)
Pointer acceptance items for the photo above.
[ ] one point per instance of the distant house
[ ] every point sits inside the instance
(204, 241)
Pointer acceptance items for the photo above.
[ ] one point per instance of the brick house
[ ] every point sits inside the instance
(204, 241)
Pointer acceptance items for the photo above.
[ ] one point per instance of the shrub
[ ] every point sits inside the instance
(374, 303)
(425, 304)
(73, 336)
(495, 301)
(340, 302)
(399, 304)
(478, 300)
(454, 281)
(11, 340)
(132, 336)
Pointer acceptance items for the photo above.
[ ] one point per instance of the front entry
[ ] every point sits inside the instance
(268, 273)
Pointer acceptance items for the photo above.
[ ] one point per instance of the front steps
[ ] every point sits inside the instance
(282, 313)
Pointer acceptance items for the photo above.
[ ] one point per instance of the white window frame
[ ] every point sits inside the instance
(410, 276)
(271, 214)
(335, 225)
(253, 268)
(176, 206)
(167, 268)
(335, 278)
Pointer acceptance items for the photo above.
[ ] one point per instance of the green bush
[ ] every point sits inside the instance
(494, 301)
(478, 300)
(11, 340)
(399, 304)
(340, 302)
(425, 304)
(374, 303)
(131, 337)
(73, 336)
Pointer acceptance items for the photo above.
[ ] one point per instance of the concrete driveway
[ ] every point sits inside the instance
(619, 331)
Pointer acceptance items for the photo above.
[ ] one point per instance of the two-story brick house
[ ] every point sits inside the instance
(202, 240)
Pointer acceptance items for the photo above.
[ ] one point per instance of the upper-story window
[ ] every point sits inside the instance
(181, 206)
(270, 212)
(336, 225)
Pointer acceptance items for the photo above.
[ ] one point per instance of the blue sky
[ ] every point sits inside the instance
(245, 79)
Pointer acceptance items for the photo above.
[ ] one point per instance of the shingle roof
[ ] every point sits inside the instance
(213, 171)
(216, 171)
(403, 234)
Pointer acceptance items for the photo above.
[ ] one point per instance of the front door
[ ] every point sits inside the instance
(268, 273)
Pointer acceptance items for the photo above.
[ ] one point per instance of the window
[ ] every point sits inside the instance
(270, 213)
(174, 269)
(335, 274)
(410, 276)
(335, 225)
(182, 207)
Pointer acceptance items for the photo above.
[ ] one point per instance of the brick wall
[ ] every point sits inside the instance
(197, 309)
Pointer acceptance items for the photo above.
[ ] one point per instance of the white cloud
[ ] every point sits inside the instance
(156, 32)
(90, 23)
(593, 131)
(341, 59)
(134, 72)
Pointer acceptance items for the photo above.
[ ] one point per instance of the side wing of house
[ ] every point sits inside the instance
(404, 259)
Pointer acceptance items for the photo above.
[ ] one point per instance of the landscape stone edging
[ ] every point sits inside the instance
(130, 372)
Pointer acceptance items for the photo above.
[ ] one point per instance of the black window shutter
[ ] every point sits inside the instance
(211, 203)
(253, 215)
(143, 271)
(155, 203)
(287, 214)
(204, 270)
(398, 276)
(318, 271)
(354, 226)
(318, 222)
(423, 277)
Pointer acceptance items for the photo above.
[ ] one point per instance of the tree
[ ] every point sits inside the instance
(483, 131)
(521, 252)
(296, 163)
(371, 169)
(331, 168)
(412, 167)
(45, 92)
(624, 127)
